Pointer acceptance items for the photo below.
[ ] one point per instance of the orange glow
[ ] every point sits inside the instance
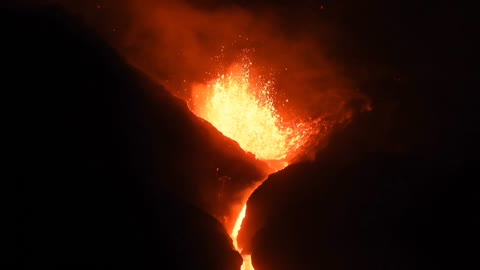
(242, 108)
(238, 226)
(247, 261)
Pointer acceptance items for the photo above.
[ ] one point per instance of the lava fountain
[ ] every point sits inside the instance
(241, 106)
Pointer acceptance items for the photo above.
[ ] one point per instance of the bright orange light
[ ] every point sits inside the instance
(238, 226)
(247, 261)
(242, 108)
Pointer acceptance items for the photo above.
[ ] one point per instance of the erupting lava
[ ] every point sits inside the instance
(242, 108)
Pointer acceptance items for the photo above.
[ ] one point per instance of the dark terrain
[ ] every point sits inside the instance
(113, 170)
(396, 189)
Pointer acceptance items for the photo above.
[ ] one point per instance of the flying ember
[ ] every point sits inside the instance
(242, 108)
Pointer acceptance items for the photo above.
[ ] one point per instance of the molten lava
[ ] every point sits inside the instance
(242, 108)
(247, 261)
(238, 226)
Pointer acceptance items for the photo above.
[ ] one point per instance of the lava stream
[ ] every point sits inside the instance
(238, 226)
(241, 106)
(247, 260)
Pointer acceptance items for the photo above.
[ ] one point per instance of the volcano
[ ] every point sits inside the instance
(114, 169)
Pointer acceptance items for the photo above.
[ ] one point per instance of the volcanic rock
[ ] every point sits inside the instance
(364, 210)
(396, 188)
(111, 168)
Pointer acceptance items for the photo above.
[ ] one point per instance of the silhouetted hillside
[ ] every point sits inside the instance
(111, 168)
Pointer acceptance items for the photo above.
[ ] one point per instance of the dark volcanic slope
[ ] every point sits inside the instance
(111, 168)
(384, 211)
(397, 188)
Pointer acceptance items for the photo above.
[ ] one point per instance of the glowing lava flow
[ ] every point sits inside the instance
(242, 108)
(238, 226)
(247, 261)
